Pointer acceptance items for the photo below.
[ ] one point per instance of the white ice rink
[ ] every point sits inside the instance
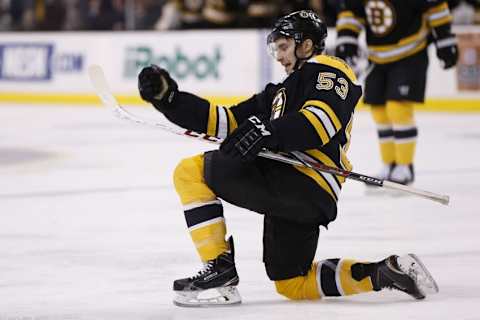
(91, 227)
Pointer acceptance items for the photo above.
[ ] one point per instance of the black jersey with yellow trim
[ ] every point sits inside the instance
(311, 112)
(316, 120)
(395, 29)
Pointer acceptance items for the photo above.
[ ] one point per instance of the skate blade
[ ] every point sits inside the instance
(412, 265)
(216, 297)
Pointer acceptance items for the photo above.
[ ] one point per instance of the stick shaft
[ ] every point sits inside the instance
(100, 85)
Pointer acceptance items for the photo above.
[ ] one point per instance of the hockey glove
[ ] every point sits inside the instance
(447, 52)
(348, 52)
(156, 86)
(245, 142)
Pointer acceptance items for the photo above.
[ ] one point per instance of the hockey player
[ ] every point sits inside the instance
(309, 115)
(397, 36)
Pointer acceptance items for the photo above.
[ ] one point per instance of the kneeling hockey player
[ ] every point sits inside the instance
(309, 116)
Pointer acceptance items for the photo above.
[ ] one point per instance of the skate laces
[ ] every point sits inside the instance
(207, 267)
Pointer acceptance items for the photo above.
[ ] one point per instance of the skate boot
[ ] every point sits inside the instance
(384, 174)
(214, 285)
(403, 174)
(406, 273)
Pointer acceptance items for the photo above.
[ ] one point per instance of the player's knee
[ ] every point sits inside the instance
(400, 112)
(379, 114)
(289, 288)
(187, 171)
(296, 288)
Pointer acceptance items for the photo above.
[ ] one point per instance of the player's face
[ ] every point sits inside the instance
(283, 50)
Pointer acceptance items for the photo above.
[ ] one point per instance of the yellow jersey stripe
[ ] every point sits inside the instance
(395, 56)
(328, 110)
(319, 179)
(323, 158)
(352, 27)
(317, 124)
(212, 121)
(232, 122)
(442, 6)
(421, 34)
(442, 21)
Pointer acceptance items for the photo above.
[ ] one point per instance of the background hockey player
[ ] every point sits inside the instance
(309, 115)
(397, 35)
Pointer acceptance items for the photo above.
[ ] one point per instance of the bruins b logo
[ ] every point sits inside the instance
(278, 104)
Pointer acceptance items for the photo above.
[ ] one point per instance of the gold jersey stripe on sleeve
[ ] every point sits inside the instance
(440, 21)
(231, 120)
(347, 20)
(327, 109)
(438, 8)
(439, 15)
(317, 124)
(322, 118)
(220, 122)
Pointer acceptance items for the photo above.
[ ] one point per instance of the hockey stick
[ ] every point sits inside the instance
(101, 87)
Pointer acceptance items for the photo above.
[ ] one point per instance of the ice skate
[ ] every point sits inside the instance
(214, 285)
(406, 273)
(403, 174)
(384, 174)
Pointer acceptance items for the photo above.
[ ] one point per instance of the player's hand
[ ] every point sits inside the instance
(245, 142)
(447, 54)
(348, 52)
(156, 85)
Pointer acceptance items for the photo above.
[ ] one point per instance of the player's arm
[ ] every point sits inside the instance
(190, 111)
(350, 22)
(439, 20)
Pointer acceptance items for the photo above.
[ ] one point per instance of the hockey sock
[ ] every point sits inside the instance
(385, 133)
(203, 211)
(327, 278)
(335, 278)
(404, 130)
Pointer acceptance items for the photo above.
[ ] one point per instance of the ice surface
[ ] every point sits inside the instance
(91, 227)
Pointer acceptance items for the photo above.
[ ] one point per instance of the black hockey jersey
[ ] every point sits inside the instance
(394, 28)
(311, 113)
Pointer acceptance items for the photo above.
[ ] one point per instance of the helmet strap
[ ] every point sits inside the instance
(299, 61)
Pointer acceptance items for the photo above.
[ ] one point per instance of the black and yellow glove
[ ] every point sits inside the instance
(157, 87)
(251, 137)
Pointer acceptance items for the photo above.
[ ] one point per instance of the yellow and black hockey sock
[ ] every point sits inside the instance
(385, 133)
(327, 278)
(203, 211)
(404, 130)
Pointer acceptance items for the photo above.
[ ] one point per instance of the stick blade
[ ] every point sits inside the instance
(100, 85)
(443, 199)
